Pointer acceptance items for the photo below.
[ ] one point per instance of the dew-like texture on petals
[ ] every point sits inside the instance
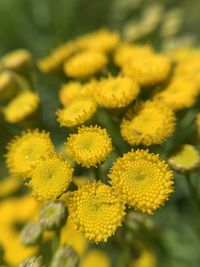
(21, 107)
(85, 63)
(116, 92)
(90, 146)
(142, 180)
(50, 178)
(77, 112)
(148, 123)
(96, 211)
(24, 152)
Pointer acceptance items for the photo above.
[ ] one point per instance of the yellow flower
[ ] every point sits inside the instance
(187, 158)
(76, 113)
(50, 178)
(148, 70)
(146, 259)
(21, 107)
(184, 53)
(26, 150)
(102, 40)
(142, 180)
(126, 52)
(85, 63)
(148, 123)
(7, 85)
(96, 211)
(90, 146)
(17, 60)
(95, 258)
(9, 185)
(180, 93)
(116, 92)
(73, 238)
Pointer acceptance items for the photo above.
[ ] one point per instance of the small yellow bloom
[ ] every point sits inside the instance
(187, 158)
(26, 150)
(148, 123)
(148, 70)
(50, 178)
(96, 211)
(142, 180)
(76, 113)
(95, 258)
(85, 63)
(116, 92)
(90, 146)
(21, 107)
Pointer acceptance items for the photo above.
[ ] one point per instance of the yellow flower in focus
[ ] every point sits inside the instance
(96, 211)
(24, 152)
(142, 180)
(73, 238)
(95, 258)
(85, 63)
(116, 92)
(77, 112)
(102, 40)
(127, 52)
(9, 185)
(180, 93)
(90, 146)
(148, 123)
(148, 70)
(187, 158)
(146, 259)
(50, 178)
(21, 107)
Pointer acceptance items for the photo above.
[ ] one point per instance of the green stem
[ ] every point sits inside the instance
(193, 191)
(56, 240)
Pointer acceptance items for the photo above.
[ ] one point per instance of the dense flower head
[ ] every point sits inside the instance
(186, 158)
(90, 146)
(102, 40)
(116, 92)
(96, 211)
(147, 123)
(148, 70)
(24, 152)
(85, 64)
(127, 52)
(77, 112)
(21, 107)
(180, 93)
(142, 180)
(95, 258)
(50, 178)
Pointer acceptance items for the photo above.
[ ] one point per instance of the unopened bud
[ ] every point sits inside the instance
(32, 261)
(65, 257)
(31, 234)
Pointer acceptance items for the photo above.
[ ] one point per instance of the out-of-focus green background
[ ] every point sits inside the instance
(41, 25)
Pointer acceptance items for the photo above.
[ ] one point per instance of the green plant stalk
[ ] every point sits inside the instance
(193, 191)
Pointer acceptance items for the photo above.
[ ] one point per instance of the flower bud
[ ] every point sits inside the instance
(31, 234)
(53, 215)
(65, 257)
(32, 261)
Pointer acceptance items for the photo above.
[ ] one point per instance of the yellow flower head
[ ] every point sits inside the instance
(180, 93)
(95, 258)
(90, 146)
(7, 85)
(148, 70)
(142, 180)
(116, 92)
(85, 63)
(50, 178)
(26, 150)
(126, 52)
(102, 40)
(96, 211)
(187, 158)
(21, 107)
(146, 259)
(17, 60)
(148, 123)
(76, 113)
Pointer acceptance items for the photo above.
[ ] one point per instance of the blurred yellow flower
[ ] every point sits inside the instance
(7, 85)
(96, 211)
(145, 259)
(142, 180)
(9, 185)
(95, 258)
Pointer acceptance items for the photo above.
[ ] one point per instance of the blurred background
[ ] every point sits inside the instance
(40, 26)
